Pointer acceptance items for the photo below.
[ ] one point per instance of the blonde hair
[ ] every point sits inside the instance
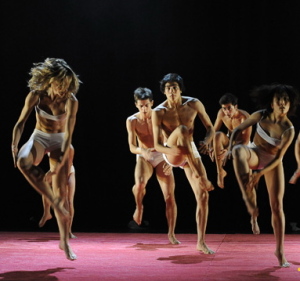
(53, 69)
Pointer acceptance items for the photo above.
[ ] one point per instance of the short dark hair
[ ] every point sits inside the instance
(142, 93)
(228, 98)
(171, 77)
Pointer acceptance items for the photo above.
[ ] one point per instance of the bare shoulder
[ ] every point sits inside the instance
(187, 100)
(193, 103)
(33, 97)
(220, 113)
(160, 109)
(73, 98)
(244, 113)
(133, 117)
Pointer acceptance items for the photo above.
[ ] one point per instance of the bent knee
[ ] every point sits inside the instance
(183, 129)
(239, 151)
(219, 136)
(23, 164)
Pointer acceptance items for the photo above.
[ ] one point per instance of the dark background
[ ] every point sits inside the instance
(117, 46)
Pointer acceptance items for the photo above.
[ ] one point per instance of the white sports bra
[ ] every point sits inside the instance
(267, 138)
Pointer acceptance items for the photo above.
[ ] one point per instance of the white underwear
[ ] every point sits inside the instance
(156, 158)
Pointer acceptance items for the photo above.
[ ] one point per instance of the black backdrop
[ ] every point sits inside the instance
(117, 46)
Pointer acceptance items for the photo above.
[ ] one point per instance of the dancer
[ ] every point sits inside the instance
(175, 119)
(274, 134)
(140, 140)
(71, 185)
(53, 85)
(231, 116)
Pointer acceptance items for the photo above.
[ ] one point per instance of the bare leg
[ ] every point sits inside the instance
(167, 184)
(202, 197)
(180, 137)
(254, 224)
(63, 225)
(201, 220)
(171, 214)
(139, 192)
(71, 194)
(243, 172)
(221, 175)
(275, 185)
(220, 140)
(47, 212)
(35, 176)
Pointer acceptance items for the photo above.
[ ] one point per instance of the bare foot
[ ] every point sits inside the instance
(281, 259)
(255, 227)
(138, 215)
(206, 184)
(173, 239)
(44, 219)
(221, 177)
(68, 251)
(203, 248)
(71, 235)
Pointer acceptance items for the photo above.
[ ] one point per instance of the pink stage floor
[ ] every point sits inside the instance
(143, 256)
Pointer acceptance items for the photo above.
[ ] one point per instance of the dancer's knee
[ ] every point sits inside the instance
(238, 151)
(23, 164)
(183, 130)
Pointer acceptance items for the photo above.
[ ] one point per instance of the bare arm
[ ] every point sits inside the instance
(210, 131)
(296, 174)
(156, 126)
(219, 122)
(249, 122)
(131, 134)
(30, 101)
(133, 137)
(71, 108)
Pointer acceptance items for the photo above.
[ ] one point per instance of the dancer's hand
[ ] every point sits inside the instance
(167, 169)
(222, 154)
(211, 154)
(203, 147)
(253, 180)
(227, 156)
(295, 176)
(48, 177)
(14, 150)
(146, 153)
